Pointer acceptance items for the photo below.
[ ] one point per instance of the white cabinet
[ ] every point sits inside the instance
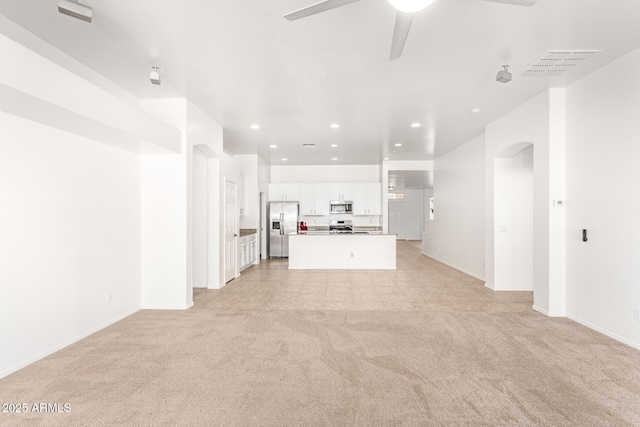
(314, 199)
(284, 192)
(342, 192)
(247, 246)
(367, 199)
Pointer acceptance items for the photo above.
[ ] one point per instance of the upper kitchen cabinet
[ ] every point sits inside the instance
(342, 192)
(314, 199)
(367, 199)
(284, 192)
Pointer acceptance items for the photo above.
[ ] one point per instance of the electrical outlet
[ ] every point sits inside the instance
(636, 315)
(109, 298)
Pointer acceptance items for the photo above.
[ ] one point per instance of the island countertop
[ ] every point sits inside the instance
(318, 250)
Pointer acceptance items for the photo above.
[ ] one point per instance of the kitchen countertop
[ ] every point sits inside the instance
(327, 233)
(247, 231)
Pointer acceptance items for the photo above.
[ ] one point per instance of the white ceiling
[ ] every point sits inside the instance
(243, 63)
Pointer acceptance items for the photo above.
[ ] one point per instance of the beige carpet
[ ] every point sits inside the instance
(423, 345)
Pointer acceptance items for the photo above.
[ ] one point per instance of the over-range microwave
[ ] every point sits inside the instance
(340, 207)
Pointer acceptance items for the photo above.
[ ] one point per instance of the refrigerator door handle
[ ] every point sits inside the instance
(281, 223)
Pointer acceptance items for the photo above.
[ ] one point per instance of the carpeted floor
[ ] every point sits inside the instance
(423, 345)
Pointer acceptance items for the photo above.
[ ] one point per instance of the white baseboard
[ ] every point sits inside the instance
(605, 332)
(540, 310)
(167, 307)
(67, 343)
(453, 266)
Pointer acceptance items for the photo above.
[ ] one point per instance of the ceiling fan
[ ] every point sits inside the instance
(404, 17)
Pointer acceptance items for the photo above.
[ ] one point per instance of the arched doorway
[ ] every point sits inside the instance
(513, 218)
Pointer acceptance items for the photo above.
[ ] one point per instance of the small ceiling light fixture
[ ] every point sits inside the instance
(284, 159)
(273, 146)
(475, 110)
(415, 125)
(397, 145)
(334, 158)
(386, 158)
(504, 76)
(154, 76)
(334, 145)
(335, 126)
(255, 126)
(75, 9)
(410, 6)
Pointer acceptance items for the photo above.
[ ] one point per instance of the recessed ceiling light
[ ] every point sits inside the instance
(335, 126)
(475, 110)
(273, 146)
(255, 126)
(284, 159)
(334, 158)
(397, 145)
(415, 125)
(334, 145)
(386, 158)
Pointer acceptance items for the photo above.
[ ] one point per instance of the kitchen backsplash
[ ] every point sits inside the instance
(357, 220)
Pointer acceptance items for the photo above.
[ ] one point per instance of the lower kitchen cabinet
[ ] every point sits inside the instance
(247, 246)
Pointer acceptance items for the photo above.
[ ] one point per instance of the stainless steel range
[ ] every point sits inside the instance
(337, 226)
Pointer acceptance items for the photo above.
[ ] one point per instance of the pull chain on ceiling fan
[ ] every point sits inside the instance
(404, 16)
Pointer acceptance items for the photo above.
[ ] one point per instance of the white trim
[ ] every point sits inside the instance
(457, 268)
(67, 343)
(540, 310)
(605, 332)
(167, 307)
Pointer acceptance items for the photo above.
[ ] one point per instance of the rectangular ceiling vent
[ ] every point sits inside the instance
(556, 62)
(309, 145)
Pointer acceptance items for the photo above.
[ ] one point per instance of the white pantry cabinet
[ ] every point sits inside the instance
(367, 199)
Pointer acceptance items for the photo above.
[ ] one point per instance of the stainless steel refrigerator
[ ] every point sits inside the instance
(283, 219)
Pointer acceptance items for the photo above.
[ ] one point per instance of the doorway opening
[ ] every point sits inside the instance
(513, 216)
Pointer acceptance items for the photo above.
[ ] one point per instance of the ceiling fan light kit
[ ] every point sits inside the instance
(404, 16)
(410, 6)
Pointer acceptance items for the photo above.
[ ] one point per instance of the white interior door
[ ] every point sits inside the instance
(398, 220)
(230, 231)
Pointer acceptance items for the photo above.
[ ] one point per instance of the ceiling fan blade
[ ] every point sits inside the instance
(516, 2)
(400, 33)
(319, 7)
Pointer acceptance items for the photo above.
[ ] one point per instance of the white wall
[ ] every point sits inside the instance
(540, 122)
(426, 195)
(165, 244)
(70, 227)
(248, 165)
(513, 221)
(325, 174)
(603, 172)
(456, 234)
(200, 218)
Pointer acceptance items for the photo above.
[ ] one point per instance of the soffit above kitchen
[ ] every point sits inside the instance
(244, 64)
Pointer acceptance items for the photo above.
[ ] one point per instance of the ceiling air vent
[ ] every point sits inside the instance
(556, 62)
(308, 145)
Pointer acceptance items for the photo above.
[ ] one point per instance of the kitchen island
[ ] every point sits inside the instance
(349, 251)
